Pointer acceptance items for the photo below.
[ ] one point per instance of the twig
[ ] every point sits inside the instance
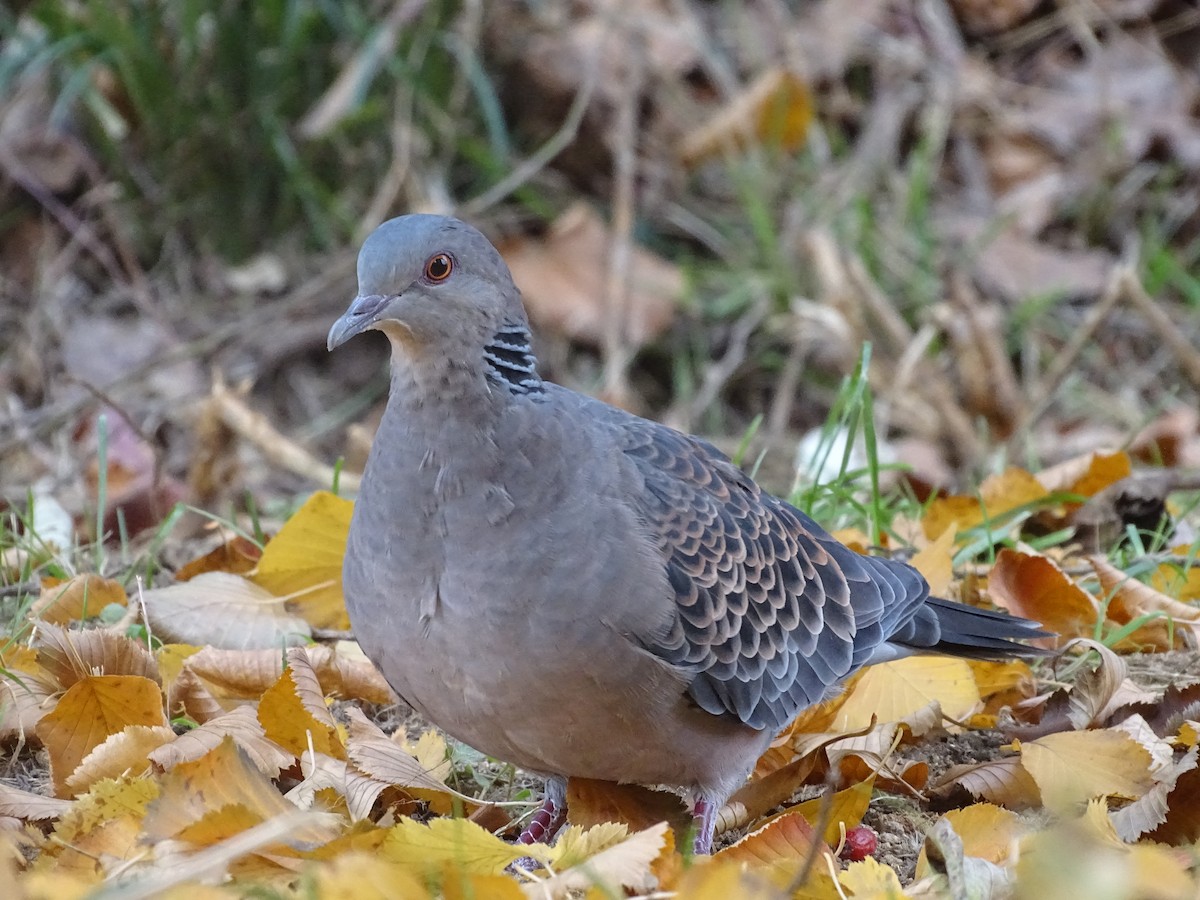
(615, 343)
(718, 372)
(1116, 287)
(275, 446)
(48, 418)
(557, 142)
(1176, 339)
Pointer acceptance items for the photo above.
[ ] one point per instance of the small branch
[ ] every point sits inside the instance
(558, 142)
(275, 446)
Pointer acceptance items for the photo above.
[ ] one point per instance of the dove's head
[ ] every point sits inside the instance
(429, 282)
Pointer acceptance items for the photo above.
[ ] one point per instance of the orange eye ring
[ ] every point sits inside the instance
(438, 267)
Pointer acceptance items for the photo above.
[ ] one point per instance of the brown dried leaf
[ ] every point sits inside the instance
(591, 802)
(242, 726)
(30, 807)
(1130, 598)
(24, 700)
(126, 751)
(759, 796)
(1034, 587)
(225, 611)
(1003, 781)
(381, 757)
(563, 279)
(1151, 811)
(80, 597)
(71, 655)
(238, 556)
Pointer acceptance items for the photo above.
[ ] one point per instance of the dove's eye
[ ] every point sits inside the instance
(438, 267)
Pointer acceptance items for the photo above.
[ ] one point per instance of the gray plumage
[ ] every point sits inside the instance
(580, 591)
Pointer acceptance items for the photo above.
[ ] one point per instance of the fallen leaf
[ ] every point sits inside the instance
(80, 597)
(987, 831)
(92, 709)
(1003, 781)
(840, 812)
(775, 110)
(781, 847)
(1129, 599)
(1034, 587)
(303, 562)
(894, 691)
(69, 656)
(459, 843)
(936, 561)
(225, 611)
(293, 711)
(624, 865)
(871, 878)
(563, 279)
(238, 556)
(125, 751)
(999, 495)
(591, 802)
(1072, 767)
(242, 726)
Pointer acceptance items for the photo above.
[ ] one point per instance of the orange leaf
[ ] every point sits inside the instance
(782, 846)
(591, 802)
(237, 556)
(1036, 588)
(92, 709)
(81, 597)
(998, 495)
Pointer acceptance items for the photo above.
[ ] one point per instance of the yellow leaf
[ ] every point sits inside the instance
(1072, 767)
(994, 677)
(576, 844)
(776, 109)
(780, 848)
(936, 562)
(304, 561)
(92, 709)
(845, 808)
(127, 796)
(626, 864)
(293, 714)
(425, 849)
(364, 876)
(998, 495)
(895, 690)
(871, 878)
(987, 831)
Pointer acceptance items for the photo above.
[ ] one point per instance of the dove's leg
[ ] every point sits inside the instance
(704, 810)
(551, 815)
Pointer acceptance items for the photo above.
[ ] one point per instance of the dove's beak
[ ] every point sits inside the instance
(361, 315)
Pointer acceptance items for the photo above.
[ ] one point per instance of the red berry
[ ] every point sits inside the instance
(861, 842)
